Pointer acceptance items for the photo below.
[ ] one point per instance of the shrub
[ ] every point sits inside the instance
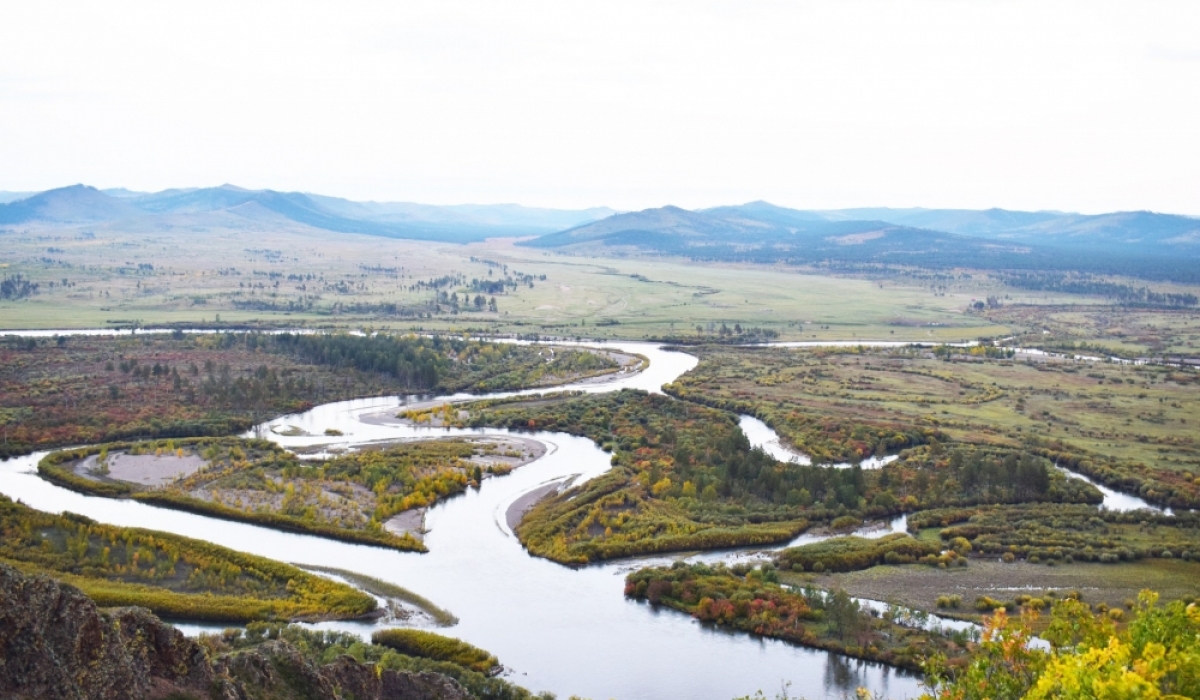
(440, 648)
(854, 553)
(845, 522)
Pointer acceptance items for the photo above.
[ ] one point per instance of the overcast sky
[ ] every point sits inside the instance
(1089, 106)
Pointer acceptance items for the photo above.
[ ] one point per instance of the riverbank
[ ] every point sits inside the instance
(518, 508)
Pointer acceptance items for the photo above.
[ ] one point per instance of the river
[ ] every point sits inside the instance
(569, 631)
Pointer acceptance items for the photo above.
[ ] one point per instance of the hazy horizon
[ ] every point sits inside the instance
(25, 193)
(1022, 106)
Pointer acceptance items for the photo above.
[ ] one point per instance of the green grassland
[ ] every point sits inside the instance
(1131, 426)
(1104, 329)
(198, 276)
(174, 576)
(349, 497)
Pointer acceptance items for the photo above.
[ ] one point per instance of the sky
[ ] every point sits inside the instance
(1076, 106)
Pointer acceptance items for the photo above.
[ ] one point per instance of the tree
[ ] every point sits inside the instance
(1156, 657)
(843, 614)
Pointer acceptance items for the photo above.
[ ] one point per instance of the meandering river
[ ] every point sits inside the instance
(569, 631)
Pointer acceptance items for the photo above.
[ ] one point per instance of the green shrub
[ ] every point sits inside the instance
(435, 646)
(854, 553)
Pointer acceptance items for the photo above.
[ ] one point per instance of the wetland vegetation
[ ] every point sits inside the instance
(174, 576)
(351, 497)
(86, 389)
(685, 477)
(976, 433)
(1128, 426)
(752, 600)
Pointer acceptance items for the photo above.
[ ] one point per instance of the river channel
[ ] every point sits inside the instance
(566, 630)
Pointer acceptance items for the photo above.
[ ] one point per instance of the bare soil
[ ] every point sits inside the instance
(529, 499)
(145, 470)
(409, 521)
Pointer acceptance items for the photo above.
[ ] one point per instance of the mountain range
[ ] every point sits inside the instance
(764, 225)
(1142, 243)
(80, 204)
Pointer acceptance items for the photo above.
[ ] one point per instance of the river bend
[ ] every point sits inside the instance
(569, 631)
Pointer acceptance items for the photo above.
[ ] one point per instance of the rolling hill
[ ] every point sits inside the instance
(75, 204)
(1138, 231)
(80, 204)
(1143, 244)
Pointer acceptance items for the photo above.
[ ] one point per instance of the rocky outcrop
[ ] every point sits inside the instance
(276, 670)
(55, 644)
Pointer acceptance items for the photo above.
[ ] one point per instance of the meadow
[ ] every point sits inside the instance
(105, 276)
(1131, 426)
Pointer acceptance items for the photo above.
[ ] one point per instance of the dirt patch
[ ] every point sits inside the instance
(503, 454)
(146, 470)
(411, 522)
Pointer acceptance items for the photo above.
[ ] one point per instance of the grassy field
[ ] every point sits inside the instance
(95, 276)
(1127, 332)
(1145, 414)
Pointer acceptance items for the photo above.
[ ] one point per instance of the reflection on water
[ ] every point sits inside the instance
(1115, 500)
(843, 675)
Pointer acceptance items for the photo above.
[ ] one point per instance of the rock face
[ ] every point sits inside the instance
(55, 644)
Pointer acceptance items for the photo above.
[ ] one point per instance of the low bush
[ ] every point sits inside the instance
(853, 553)
(428, 645)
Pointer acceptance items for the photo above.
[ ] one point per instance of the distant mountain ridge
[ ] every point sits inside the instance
(1145, 244)
(80, 204)
(755, 231)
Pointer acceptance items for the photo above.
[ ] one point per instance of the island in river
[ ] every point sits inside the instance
(375, 495)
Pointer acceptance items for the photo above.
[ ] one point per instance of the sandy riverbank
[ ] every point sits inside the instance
(518, 508)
